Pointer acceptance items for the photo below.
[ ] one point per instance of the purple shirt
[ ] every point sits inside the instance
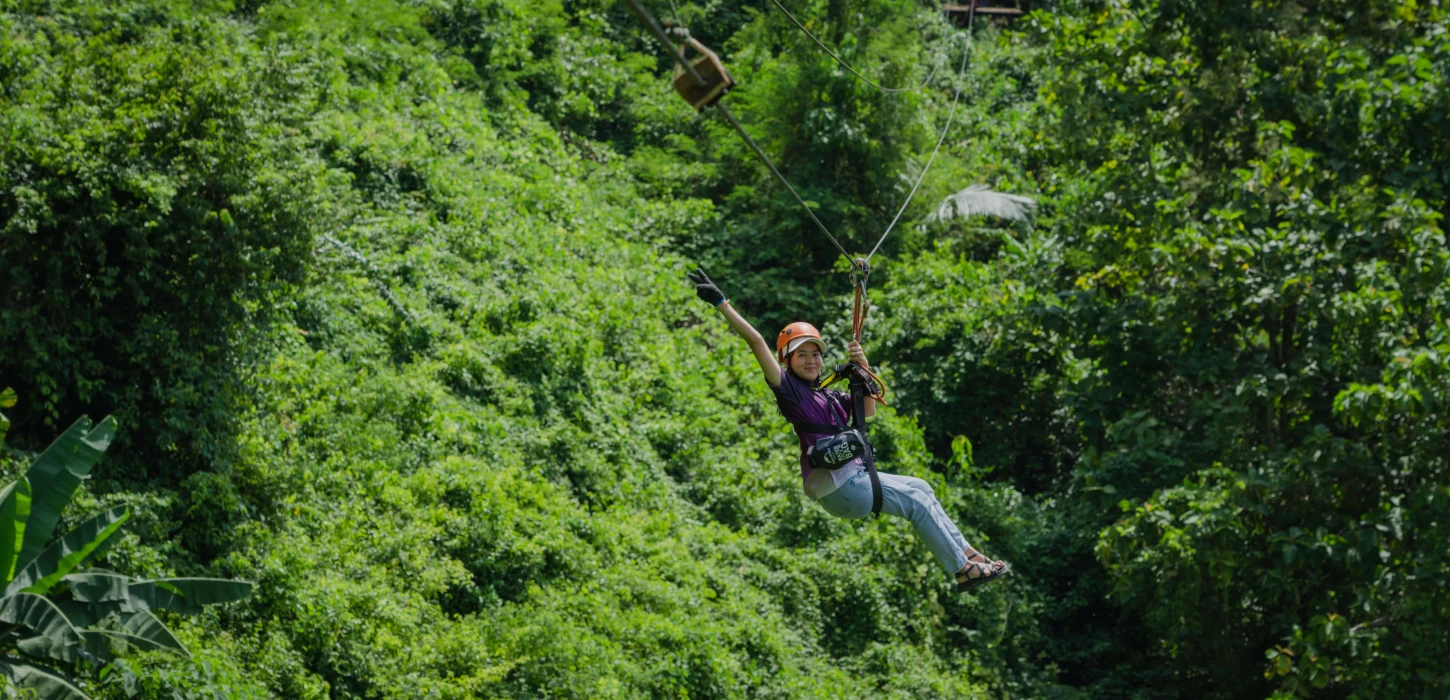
(800, 402)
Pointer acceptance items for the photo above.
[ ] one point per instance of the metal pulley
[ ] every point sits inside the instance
(708, 66)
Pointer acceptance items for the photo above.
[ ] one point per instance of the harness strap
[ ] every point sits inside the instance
(818, 429)
(858, 421)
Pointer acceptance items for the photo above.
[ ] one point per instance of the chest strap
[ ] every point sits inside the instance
(818, 429)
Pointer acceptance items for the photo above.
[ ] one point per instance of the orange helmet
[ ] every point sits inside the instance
(795, 335)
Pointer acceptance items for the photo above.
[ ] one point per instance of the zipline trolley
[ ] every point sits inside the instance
(709, 67)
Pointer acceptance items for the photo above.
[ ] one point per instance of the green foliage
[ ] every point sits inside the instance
(96, 614)
(1220, 348)
(7, 400)
(842, 143)
(159, 210)
(482, 442)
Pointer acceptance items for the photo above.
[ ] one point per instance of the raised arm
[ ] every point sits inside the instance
(763, 355)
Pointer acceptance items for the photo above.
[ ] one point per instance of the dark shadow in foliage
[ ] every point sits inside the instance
(156, 229)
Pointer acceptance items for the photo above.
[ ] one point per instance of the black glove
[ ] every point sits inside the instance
(705, 288)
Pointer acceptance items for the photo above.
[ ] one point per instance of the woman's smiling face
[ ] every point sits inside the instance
(806, 362)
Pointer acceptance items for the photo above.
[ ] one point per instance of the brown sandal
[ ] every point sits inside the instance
(979, 570)
(974, 555)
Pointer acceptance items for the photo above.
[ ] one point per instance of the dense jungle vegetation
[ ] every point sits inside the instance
(388, 300)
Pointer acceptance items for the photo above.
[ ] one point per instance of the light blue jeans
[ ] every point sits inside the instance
(904, 497)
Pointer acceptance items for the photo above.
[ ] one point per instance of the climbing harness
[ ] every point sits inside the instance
(860, 387)
(926, 81)
(842, 444)
(862, 382)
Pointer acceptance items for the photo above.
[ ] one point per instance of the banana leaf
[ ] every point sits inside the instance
(47, 684)
(53, 631)
(186, 595)
(93, 586)
(54, 477)
(99, 645)
(14, 512)
(84, 615)
(109, 592)
(89, 539)
(143, 625)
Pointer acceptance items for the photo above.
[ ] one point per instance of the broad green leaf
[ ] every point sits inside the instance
(34, 612)
(14, 511)
(144, 626)
(98, 594)
(89, 539)
(54, 477)
(186, 595)
(95, 586)
(83, 615)
(99, 644)
(115, 620)
(48, 685)
(41, 646)
(96, 646)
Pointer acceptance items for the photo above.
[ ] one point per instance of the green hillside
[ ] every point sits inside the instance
(388, 298)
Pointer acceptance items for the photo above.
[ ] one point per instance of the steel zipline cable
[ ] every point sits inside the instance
(846, 65)
(951, 117)
(971, 16)
(674, 51)
(725, 112)
(858, 263)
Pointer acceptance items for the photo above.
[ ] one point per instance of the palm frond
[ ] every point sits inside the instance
(981, 200)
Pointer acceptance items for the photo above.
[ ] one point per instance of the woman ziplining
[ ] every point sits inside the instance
(836, 460)
(838, 465)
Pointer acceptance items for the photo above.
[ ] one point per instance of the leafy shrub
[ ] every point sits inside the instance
(160, 211)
